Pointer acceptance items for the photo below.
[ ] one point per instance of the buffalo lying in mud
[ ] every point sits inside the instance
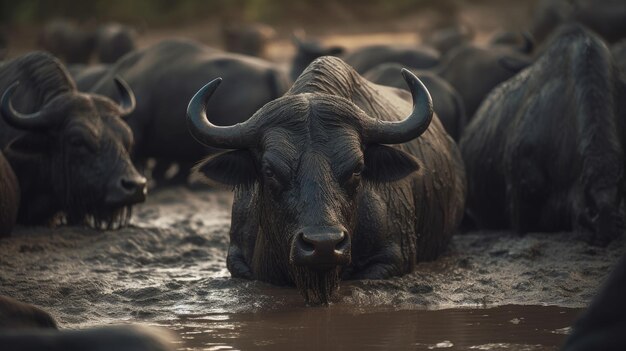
(545, 151)
(447, 102)
(69, 150)
(364, 58)
(165, 76)
(9, 197)
(318, 196)
(24, 327)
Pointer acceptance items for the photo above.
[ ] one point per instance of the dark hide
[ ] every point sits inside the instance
(619, 54)
(76, 168)
(606, 17)
(15, 315)
(602, 326)
(9, 197)
(86, 76)
(364, 58)
(447, 102)
(114, 40)
(248, 39)
(398, 205)
(118, 338)
(67, 41)
(165, 76)
(474, 71)
(545, 150)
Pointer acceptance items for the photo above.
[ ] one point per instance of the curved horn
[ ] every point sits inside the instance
(385, 132)
(127, 104)
(35, 120)
(529, 43)
(237, 136)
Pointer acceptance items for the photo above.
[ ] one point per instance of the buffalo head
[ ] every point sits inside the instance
(72, 158)
(307, 159)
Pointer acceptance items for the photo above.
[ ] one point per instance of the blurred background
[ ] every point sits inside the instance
(345, 22)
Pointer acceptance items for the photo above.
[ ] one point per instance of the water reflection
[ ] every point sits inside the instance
(342, 327)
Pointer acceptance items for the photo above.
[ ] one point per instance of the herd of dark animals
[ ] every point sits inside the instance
(341, 174)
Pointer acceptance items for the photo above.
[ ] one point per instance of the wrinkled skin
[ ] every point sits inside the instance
(114, 40)
(606, 17)
(165, 76)
(9, 197)
(545, 150)
(311, 174)
(364, 58)
(447, 102)
(75, 166)
(248, 39)
(602, 326)
(474, 71)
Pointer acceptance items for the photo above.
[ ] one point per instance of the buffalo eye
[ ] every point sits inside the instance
(268, 173)
(353, 179)
(80, 145)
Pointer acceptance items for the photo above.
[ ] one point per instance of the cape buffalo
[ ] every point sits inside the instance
(446, 39)
(602, 325)
(248, 39)
(86, 76)
(114, 40)
(364, 58)
(474, 70)
(9, 197)
(606, 17)
(165, 76)
(447, 102)
(67, 41)
(545, 152)
(69, 150)
(319, 194)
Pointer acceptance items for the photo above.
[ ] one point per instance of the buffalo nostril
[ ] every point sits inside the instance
(305, 243)
(343, 246)
(133, 185)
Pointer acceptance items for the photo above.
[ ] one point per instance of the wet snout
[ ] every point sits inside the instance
(321, 248)
(127, 189)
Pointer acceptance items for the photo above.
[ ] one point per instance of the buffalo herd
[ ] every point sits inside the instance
(345, 164)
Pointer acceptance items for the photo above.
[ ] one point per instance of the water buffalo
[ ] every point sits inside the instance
(319, 194)
(114, 40)
(602, 325)
(248, 39)
(545, 152)
(446, 39)
(447, 102)
(606, 17)
(69, 150)
(475, 70)
(67, 41)
(165, 76)
(9, 197)
(364, 58)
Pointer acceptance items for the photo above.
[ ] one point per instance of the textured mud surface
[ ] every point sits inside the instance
(168, 268)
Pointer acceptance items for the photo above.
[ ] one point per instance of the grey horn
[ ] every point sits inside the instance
(35, 120)
(127, 103)
(237, 136)
(384, 132)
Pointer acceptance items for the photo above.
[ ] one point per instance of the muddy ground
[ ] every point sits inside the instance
(171, 262)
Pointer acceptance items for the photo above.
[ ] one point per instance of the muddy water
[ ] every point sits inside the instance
(510, 327)
(168, 268)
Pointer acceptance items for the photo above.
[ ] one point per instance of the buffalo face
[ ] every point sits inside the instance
(308, 158)
(77, 148)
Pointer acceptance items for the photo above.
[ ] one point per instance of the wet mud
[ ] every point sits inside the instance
(168, 268)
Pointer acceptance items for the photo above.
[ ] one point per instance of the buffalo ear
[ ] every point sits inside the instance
(514, 64)
(335, 51)
(29, 145)
(230, 169)
(387, 164)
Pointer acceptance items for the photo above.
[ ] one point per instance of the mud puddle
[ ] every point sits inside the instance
(510, 327)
